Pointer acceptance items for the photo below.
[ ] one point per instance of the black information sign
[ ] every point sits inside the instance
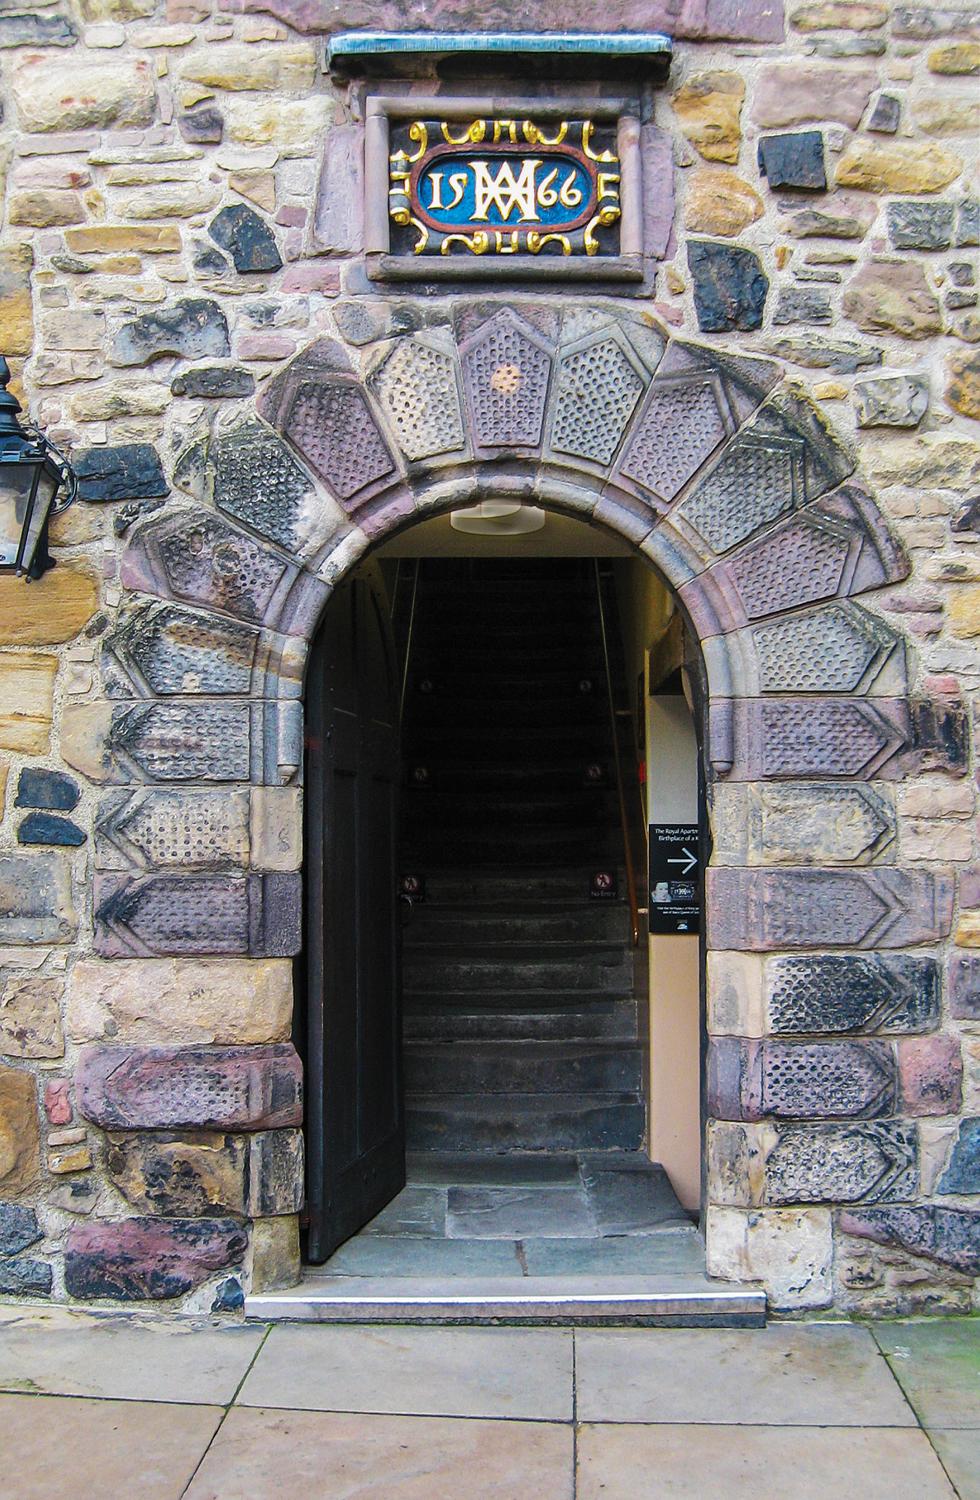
(675, 870)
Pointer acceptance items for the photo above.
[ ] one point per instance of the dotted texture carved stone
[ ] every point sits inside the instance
(184, 742)
(596, 393)
(803, 562)
(173, 828)
(680, 428)
(221, 1088)
(506, 374)
(417, 388)
(827, 1079)
(181, 914)
(209, 562)
(871, 1163)
(334, 429)
(838, 992)
(822, 738)
(827, 908)
(828, 651)
(257, 480)
(755, 481)
(173, 650)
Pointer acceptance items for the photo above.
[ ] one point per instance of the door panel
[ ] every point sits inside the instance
(355, 1115)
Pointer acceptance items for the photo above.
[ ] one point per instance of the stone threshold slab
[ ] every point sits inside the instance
(560, 1301)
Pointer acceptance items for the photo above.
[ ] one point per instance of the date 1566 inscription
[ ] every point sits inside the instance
(504, 187)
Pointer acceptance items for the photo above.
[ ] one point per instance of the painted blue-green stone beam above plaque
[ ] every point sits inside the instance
(386, 51)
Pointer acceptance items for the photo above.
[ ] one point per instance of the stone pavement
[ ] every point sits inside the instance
(105, 1408)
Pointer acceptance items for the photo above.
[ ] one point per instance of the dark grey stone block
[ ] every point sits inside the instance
(730, 286)
(247, 238)
(921, 226)
(130, 471)
(18, 1228)
(962, 1174)
(195, 327)
(46, 828)
(886, 115)
(214, 381)
(793, 160)
(25, 1278)
(37, 787)
(835, 992)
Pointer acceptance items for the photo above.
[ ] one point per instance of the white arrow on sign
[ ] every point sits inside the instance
(689, 862)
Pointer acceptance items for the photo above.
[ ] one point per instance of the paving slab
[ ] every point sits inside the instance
(624, 1200)
(453, 1372)
(684, 1462)
(959, 1450)
(937, 1364)
(404, 1255)
(118, 1358)
(516, 1169)
(417, 1211)
(294, 1455)
(98, 1450)
(518, 1213)
(679, 1251)
(809, 1374)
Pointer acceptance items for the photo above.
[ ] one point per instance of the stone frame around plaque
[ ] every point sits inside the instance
(383, 110)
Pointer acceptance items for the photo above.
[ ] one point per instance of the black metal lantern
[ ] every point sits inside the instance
(32, 471)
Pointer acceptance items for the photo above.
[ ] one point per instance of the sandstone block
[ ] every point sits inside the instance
(839, 15)
(893, 296)
(108, 239)
(186, 1176)
(30, 1017)
(932, 462)
(26, 698)
(720, 203)
(43, 208)
(955, 58)
(795, 93)
(155, 915)
(709, 106)
(64, 601)
(872, 1160)
(790, 1251)
(35, 899)
(57, 1102)
(891, 400)
(16, 308)
(799, 824)
(897, 166)
(295, 126)
(751, 1080)
(930, 1073)
(963, 383)
(169, 200)
(180, 1000)
(946, 114)
(19, 1133)
(935, 840)
(116, 10)
(275, 1258)
(134, 1259)
(175, 1088)
(120, 398)
(82, 93)
(78, 328)
(287, 69)
(948, 1235)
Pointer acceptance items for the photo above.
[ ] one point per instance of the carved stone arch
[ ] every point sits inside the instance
(729, 481)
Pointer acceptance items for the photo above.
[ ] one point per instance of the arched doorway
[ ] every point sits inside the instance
(732, 484)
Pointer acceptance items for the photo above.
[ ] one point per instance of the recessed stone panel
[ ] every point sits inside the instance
(799, 823)
(597, 388)
(767, 909)
(752, 1080)
(684, 420)
(258, 481)
(790, 738)
(192, 829)
(154, 916)
(179, 1088)
(330, 423)
(836, 649)
(755, 481)
(834, 992)
(418, 388)
(506, 370)
(873, 1162)
(178, 742)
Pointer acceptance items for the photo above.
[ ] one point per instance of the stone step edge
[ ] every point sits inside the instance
(623, 1301)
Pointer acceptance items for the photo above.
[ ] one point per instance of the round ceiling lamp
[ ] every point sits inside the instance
(498, 518)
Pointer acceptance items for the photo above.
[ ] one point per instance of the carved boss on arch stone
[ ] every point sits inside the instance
(725, 478)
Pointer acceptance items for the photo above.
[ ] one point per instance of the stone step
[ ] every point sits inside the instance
(524, 1122)
(616, 1021)
(432, 928)
(509, 886)
(515, 1067)
(602, 970)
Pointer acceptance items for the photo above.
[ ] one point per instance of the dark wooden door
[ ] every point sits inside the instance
(355, 1137)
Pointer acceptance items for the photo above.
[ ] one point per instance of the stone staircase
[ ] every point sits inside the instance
(521, 1026)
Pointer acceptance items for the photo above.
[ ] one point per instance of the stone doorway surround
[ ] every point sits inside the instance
(823, 1039)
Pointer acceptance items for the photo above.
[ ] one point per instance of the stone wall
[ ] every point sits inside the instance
(183, 302)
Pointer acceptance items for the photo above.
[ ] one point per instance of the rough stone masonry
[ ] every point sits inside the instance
(789, 408)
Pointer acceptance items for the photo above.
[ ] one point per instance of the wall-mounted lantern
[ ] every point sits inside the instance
(32, 471)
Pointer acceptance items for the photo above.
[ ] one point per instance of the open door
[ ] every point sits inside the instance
(355, 1140)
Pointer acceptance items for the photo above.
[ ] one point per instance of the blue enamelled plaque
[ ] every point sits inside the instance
(504, 187)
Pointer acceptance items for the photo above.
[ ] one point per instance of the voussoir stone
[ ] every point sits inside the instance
(948, 1235)
(178, 1000)
(797, 92)
(172, 1088)
(75, 93)
(709, 107)
(893, 296)
(132, 1259)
